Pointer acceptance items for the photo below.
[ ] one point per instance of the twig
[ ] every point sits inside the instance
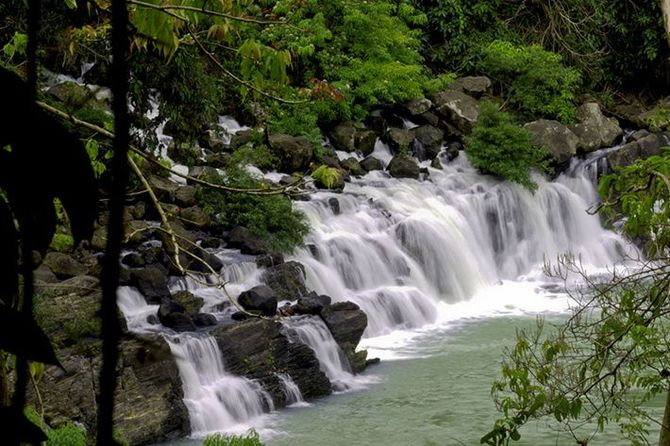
(169, 8)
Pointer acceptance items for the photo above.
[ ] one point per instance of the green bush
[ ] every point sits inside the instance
(66, 435)
(533, 80)
(270, 217)
(250, 439)
(499, 147)
(327, 176)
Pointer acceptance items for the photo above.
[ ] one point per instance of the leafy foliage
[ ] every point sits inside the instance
(270, 217)
(499, 147)
(250, 439)
(327, 176)
(66, 435)
(534, 80)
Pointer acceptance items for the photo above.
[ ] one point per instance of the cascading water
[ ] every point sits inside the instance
(313, 332)
(402, 249)
(291, 390)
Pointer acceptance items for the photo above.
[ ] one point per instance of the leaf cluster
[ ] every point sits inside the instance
(497, 146)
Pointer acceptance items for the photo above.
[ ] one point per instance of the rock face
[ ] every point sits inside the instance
(595, 130)
(430, 141)
(149, 406)
(342, 136)
(286, 280)
(458, 109)
(347, 322)
(257, 349)
(295, 152)
(403, 167)
(557, 138)
(259, 299)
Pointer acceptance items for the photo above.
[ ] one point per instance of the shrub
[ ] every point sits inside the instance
(499, 147)
(534, 81)
(66, 435)
(250, 439)
(327, 176)
(270, 217)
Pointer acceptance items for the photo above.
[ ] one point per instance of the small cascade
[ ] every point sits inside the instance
(291, 390)
(313, 332)
(216, 400)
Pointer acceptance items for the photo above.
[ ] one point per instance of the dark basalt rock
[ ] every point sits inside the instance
(371, 163)
(269, 260)
(257, 349)
(342, 136)
(240, 238)
(286, 280)
(260, 298)
(63, 265)
(173, 315)
(204, 320)
(311, 304)
(189, 302)
(151, 282)
(403, 167)
(295, 152)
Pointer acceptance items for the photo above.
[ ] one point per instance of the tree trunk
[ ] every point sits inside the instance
(664, 440)
(665, 9)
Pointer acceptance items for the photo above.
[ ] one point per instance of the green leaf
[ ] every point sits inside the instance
(72, 4)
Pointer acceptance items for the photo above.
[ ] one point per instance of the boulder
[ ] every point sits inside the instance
(173, 315)
(436, 163)
(353, 166)
(240, 138)
(204, 320)
(399, 139)
(430, 140)
(180, 231)
(188, 301)
(240, 238)
(194, 217)
(658, 118)
(204, 172)
(342, 136)
(164, 189)
(260, 298)
(137, 231)
(44, 274)
(643, 147)
(286, 280)
(133, 260)
(184, 196)
(334, 205)
(403, 167)
(364, 140)
(475, 86)
(347, 322)
(63, 265)
(371, 163)
(212, 139)
(257, 349)
(268, 260)
(454, 149)
(458, 109)
(557, 138)
(595, 130)
(212, 262)
(151, 282)
(417, 106)
(295, 152)
(312, 304)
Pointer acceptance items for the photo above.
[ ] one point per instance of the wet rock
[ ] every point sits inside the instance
(371, 163)
(181, 233)
(458, 109)
(212, 262)
(334, 204)
(347, 322)
(454, 149)
(403, 167)
(241, 138)
(260, 298)
(257, 349)
(151, 282)
(63, 265)
(212, 139)
(436, 164)
(204, 172)
(644, 147)
(173, 315)
(204, 320)
(44, 274)
(312, 304)
(295, 152)
(188, 301)
(286, 280)
(163, 188)
(430, 139)
(240, 238)
(353, 166)
(342, 136)
(210, 242)
(365, 141)
(137, 232)
(557, 138)
(269, 260)
(399, 139)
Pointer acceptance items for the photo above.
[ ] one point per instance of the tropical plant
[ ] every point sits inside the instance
(250, 439)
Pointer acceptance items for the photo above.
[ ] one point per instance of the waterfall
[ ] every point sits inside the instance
(406, 251)
(216, 400)
(291, 390)
(312, 331)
